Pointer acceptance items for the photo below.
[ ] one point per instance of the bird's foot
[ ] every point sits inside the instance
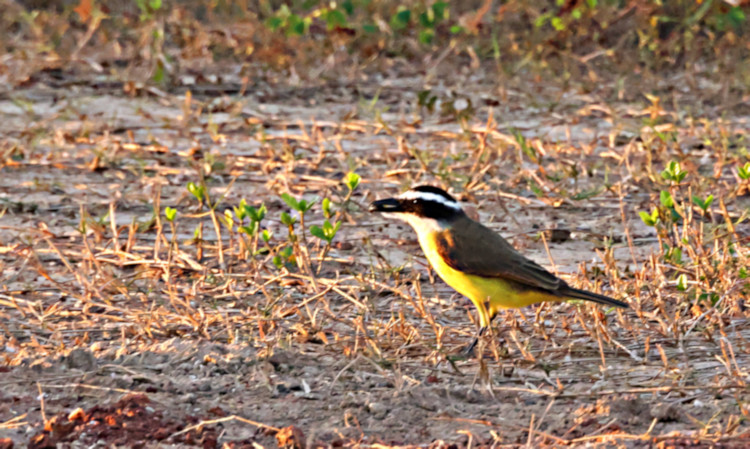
(469, 350)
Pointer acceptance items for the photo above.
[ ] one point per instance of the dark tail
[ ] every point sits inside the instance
(593, 297)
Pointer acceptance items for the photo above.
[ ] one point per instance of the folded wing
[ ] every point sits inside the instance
(487, 254)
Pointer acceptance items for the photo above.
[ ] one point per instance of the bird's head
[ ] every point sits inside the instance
(422, 204)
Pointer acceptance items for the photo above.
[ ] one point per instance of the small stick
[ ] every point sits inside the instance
(224, 419)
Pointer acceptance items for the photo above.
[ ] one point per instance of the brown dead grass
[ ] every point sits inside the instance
(106, 305)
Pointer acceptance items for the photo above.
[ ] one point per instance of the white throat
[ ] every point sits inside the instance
(421, 225)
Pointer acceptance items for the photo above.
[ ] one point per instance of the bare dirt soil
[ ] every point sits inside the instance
(110, 338)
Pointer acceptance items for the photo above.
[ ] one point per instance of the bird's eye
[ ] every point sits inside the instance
(414, 201)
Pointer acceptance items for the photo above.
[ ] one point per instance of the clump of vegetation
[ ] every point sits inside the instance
(571, 39)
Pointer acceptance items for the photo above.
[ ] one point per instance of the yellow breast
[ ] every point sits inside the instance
(488, 294)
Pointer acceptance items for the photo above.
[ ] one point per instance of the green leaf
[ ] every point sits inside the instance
(709, 200)
(542, 19)
(290, 201)
(557, 23)
(296, 25)
(287, 219)
(228, 219)
(744, 171)
(197, 191)
(241, 211)
(335, 19)
(427, 19)
(266, 235)
(348, 6)
(646, 218)
(251, 229)
(370, 28)
(256, 215)
(352, 180)
(318, 232)
(305, 206)
(674, 255)
(425, 36)
(170, 213)
(400, 19)
(650, 219)
(673, 172)
(697, 200)
(327, 232)
(274, 23)
(666, 199)
(703, 204)
(440, 9)
(326, 207)
(736, 17)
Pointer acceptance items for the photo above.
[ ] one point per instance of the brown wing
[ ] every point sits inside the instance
(486, 253)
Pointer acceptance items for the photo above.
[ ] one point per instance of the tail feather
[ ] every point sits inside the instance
(593, 297)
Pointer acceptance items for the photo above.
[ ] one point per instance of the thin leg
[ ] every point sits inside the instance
(470, 349)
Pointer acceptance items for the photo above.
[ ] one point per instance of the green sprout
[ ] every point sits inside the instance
(673, 172)
(283, 258)
(666, 199)
(326, 204)
(170, 213)
(228, 219)
(198, 191)
(744, 171)
(703, 204)
(352, 180)
(400, 19)
(255, 216)
(527, 149)
(327, 232)
(650, 219)
(300, 206)
(673, 255)
(287, 219)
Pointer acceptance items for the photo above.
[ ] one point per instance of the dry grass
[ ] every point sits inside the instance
(103, 296)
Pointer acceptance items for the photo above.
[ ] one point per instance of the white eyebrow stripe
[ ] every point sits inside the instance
(427, 196)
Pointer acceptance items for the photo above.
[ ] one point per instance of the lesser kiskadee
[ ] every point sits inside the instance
(475, 260)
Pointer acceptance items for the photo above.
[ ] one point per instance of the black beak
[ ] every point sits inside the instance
(387, 205)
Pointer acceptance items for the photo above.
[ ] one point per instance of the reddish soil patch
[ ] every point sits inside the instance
(131, 421)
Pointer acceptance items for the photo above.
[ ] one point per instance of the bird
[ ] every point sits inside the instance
(476, 261)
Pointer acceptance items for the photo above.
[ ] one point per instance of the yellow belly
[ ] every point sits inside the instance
(488, 294)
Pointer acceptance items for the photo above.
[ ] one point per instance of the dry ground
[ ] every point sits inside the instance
(98, 313)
